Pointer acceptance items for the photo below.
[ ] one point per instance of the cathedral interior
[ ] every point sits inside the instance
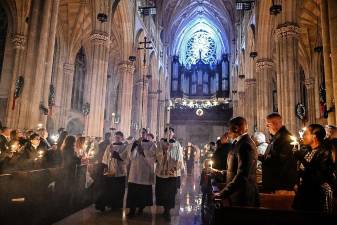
(90, 67)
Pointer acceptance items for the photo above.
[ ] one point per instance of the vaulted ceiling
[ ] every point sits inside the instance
(178, 17)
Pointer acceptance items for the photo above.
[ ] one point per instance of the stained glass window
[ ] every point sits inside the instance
(201, 44)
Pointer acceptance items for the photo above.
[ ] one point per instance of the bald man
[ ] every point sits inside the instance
(278, 163)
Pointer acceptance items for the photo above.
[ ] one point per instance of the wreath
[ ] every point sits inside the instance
(18, 89)
(300, 111)
(51, 98)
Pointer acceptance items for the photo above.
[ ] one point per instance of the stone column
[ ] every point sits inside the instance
(327, 60)
(50, 52)
(126, 70)
(19, 44)
(264, 95)
(67, 86)
(332, 6)
(36, 95)
(287, 74)
(250, 103)
(95, 96)
(309, 84)
(241, 103)
(152, 118)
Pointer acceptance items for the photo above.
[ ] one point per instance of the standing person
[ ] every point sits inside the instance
(316, 173)
(103, 145)
(44, 144)
(141, 176)
(60, 141)
(80, 148)
(331, 137)
(114, 176)
(70, 159)
(220, 155)
(189, 157)
(278, 163)
(241, 188)
(260, 140)
(169, 164)
(4, 139)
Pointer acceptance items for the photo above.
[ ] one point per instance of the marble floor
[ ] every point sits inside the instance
(186, 212)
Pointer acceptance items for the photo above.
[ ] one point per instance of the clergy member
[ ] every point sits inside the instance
(141, 176)
(115, 175)
(169, 164)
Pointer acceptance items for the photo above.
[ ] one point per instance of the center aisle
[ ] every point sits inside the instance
(186, 211)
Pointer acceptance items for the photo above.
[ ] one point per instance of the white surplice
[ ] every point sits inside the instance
(169, 162)
(116, 167)
(141, 166)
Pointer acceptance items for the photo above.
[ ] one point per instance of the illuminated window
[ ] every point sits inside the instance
(201, 44)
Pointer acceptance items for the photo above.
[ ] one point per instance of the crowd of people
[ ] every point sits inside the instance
(246, 164)
(305, 168)
(122, 163)
(35, 149)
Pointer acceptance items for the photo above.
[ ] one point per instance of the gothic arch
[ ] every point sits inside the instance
(75, 126)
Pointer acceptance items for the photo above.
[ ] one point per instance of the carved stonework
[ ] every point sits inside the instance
(285, 31)
(68, 68)
(250, 82)
(100, 38)
(263, 64)
(19, 41)
(309, 83)
(126, 67)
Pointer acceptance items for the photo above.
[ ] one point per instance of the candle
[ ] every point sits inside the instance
(295, 143)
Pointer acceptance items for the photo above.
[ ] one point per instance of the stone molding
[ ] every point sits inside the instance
(250, 82)
(287, 30)
(126, 67)
(263, 64)
(100, 38)
(19, 41)
(68, 68)
(309, 82)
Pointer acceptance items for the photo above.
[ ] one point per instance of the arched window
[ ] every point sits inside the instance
(200, 46)
(3, 34)
(77, 99)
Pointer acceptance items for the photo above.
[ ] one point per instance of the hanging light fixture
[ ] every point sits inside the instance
(102, 17)
(275, 8)
(253, 55)
(242, 76)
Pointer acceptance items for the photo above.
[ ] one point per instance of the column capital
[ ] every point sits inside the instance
(309, 82)
(153, 93)
(100, 38)
(263, 64)
(19, 41)
(126, 67)
(68, 68)
(287, 30)
(141, 81)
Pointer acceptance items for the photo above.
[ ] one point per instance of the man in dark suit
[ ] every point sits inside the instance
(241, 188)
(278, 163)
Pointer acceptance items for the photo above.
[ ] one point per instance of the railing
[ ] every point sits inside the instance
(44, 196)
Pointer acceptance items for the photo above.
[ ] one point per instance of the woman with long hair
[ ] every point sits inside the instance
(70, 160)
(80, 148)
